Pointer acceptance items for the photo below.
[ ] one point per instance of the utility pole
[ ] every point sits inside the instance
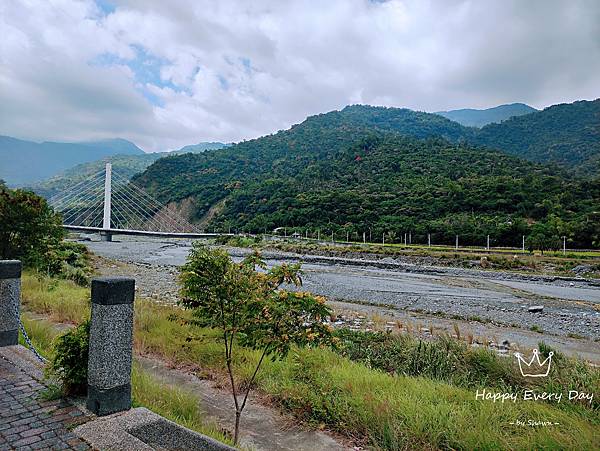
(364, 238)
(106, 236)
(564, 244)
(429, 239)
(456, 242)
(488, 243)
(523, 247)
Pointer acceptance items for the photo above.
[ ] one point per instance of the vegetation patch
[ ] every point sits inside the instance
(456, 363)
(385, 409)
(32, 232)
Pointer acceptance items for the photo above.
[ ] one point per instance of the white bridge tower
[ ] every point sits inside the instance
(105, 235)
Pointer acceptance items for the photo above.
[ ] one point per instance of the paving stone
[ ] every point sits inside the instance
(26, 441)
(26, 422)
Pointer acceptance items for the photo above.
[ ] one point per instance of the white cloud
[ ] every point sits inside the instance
(166, 74)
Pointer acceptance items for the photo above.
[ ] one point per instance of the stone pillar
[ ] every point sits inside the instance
(111, 341)
(10, 301)
(105, 236)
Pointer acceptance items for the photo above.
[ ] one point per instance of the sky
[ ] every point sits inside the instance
(165, 74)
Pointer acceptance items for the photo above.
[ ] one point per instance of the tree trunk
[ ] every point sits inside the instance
(237, 427)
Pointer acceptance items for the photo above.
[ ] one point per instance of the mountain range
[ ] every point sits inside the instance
(27, 161)
(478, 118)
(391, 169)
(50, 165)
(567, 134)
(385, 169)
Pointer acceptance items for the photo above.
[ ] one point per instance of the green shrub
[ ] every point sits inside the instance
(239, 241)
(71, 359)
(66, 260)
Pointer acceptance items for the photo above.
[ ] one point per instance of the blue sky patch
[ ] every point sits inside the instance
(146, 68)
(106, 6)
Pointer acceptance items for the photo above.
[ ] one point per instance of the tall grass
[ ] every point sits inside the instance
(60, 300)
(41, 333)
(383, 410)
(413, 413)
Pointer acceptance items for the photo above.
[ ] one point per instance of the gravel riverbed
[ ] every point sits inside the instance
(571, 306)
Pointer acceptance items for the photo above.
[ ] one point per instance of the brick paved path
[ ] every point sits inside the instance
(28, 422)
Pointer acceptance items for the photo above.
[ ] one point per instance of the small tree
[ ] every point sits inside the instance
(251, 309)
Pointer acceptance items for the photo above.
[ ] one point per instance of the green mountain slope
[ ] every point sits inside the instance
(317, 138)
(201, 147)
(478, 118)
(26, 161)
(124, 165)
(378, 169)
(566, 134)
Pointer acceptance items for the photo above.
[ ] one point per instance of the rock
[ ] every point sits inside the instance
(582, 269)
(536, 309)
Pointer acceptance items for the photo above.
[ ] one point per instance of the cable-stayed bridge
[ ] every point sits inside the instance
(110, 204)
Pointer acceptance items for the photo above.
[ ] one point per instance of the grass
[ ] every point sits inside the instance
(452, 361)
(41, 333)
(412, 413)
(555, 263)
(323, 387)
(61, 301)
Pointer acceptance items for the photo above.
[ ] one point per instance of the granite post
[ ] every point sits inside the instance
(111, 341)
(10, 301)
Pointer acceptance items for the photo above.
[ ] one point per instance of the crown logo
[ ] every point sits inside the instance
(533, 367)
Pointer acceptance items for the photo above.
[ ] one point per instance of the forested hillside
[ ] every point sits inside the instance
(567, 134)
(380, 170)
(478, 118)
(316, 139)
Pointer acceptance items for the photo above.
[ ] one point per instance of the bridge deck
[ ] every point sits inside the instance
(144, 233)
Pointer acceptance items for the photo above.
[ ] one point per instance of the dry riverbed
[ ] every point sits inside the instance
(483, 307)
